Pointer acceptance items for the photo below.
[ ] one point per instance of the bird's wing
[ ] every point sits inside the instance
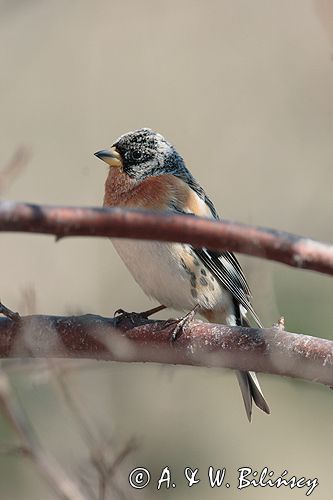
(223, 265)
(226, 269)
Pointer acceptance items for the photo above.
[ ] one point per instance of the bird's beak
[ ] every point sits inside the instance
(110, 156)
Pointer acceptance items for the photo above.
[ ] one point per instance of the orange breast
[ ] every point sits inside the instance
(154, 193)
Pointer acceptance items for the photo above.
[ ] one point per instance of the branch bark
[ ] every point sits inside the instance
(136, 339)
(61, 222)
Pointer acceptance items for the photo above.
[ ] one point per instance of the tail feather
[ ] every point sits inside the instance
(245, 388)
(251, 391)
(249, 384)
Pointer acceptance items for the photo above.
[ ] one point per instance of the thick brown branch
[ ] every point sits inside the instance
(220, 235)
(137, 340)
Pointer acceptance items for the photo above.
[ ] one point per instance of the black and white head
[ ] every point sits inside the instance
(144, 153)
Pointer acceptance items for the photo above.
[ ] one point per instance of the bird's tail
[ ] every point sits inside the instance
(249, 385)
(251, 391)
(248, 382)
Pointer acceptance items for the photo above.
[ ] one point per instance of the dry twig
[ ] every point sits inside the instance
(100, 453)
(14, 167)
(62, 485)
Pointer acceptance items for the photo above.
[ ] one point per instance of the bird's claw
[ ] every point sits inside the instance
(280, 324)
(181, 325)
(120, 314)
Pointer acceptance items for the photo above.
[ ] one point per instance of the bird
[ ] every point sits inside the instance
(146, 172)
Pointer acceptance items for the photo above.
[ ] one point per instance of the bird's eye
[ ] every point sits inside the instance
(136, 155)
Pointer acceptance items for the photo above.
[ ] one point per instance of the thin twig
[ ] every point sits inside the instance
(128, 448)
(14, 167)
(270, 244)
(98, 453)
(78, 413)
(62, 485)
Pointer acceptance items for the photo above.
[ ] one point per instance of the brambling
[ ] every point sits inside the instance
(146, 172)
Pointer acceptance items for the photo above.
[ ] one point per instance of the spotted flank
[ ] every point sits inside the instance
(223, 266)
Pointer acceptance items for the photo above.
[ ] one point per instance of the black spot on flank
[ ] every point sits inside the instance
(194, 293)
(193, 280)
(184, 266)
(203, 281)
(203, 272)
(195, 262)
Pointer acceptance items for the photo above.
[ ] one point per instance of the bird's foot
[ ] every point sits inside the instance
(14, 316)
(150, 312)
(121, 315)
(181, 324)
(279, 325)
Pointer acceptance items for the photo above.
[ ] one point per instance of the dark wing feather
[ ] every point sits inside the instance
(234, 262)
(223, 265)
(226, 269)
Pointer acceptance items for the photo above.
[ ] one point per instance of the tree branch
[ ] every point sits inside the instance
(275, 245)
(136, 339)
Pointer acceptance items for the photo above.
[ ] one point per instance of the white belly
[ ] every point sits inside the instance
(157, 268)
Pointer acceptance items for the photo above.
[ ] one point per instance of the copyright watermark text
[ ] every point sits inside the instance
(245, 477)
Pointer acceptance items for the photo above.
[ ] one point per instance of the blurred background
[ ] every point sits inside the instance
(244, 90)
